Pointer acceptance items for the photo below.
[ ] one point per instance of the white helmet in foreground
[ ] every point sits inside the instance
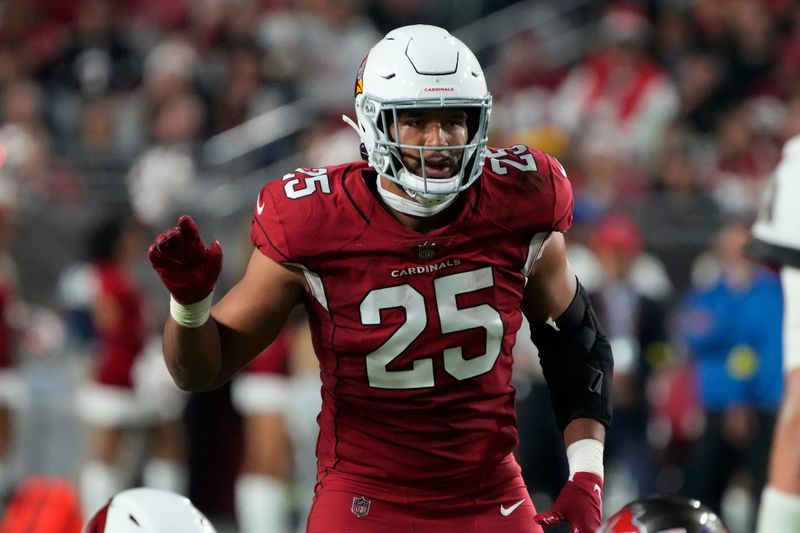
(417, 67)
(145, 510)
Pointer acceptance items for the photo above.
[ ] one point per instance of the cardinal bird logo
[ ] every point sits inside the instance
(359, 88)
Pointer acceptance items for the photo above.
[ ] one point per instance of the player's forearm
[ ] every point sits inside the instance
(193, 355)
(584, 428)
(583, 441)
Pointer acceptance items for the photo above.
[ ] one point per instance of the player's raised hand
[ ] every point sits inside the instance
(188, 269)
(578, 503)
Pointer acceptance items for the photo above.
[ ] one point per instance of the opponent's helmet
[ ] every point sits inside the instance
(145, 510)
(664, 514)
(416, 67)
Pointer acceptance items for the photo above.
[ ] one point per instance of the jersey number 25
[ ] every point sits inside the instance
(451, 318)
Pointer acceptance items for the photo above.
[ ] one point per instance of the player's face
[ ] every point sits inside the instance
(438, 127)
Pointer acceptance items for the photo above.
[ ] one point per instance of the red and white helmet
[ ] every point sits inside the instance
(145, 510)
(416, 67)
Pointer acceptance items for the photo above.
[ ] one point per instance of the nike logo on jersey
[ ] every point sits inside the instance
(597, 488)
(259, 205)
(505, 511)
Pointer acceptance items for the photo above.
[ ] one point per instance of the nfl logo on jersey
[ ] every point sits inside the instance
(360, 506)
(426, 250)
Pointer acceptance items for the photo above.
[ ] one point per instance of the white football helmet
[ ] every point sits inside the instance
(421, 66)
(146, 510)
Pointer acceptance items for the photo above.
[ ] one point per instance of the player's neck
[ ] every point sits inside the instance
(418, 223)
(426, 224)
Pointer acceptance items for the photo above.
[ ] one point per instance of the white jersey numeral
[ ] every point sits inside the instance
(498, 157)
(451, 319)
(313, 179)
(405, 296)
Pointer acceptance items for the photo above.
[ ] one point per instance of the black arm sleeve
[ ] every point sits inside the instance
(577, 362)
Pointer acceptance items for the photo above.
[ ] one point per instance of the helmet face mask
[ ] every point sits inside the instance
(421, 67)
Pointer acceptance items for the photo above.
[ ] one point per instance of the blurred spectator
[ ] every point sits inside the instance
(244, 93)
(731, 324)
(528, 76)
(744, 162)
(163, 175)
(752, 50)
(700, 77)
(170, 69)
(678, 217)
(324, 40)
(100, 150)
(605, 176)
(96, 59)
(11, 67)
(25, 142)
(11, 310)
(619, 92)
(129, 386)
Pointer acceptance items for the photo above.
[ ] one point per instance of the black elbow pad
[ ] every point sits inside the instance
(577, 362)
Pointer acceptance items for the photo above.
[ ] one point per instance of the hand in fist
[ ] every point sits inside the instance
(578, 503)
(185, 265)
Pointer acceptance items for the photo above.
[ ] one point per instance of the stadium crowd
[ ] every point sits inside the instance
(667, 115)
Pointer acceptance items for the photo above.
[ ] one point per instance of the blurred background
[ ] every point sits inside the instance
(115, 117)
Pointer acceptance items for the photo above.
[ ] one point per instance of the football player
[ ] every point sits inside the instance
(776, 239)
(415, 267)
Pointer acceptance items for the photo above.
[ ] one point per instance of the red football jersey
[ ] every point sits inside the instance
(7, 294)
(414, 331)
(274, 359)
(118, 346)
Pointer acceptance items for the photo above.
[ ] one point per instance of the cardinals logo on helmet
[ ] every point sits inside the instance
(359, 88)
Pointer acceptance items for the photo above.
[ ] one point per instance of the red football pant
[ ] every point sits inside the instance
(497, 502)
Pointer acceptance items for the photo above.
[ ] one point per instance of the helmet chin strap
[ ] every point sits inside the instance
(419, 205)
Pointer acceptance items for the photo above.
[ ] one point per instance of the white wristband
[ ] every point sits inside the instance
(585, 455)
(191, 315)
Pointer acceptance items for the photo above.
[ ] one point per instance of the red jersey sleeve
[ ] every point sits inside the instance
(527, 189)
(267, 231)
(563, 203)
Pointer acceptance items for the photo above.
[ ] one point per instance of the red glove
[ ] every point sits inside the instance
(187, 268)
(578, 503)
